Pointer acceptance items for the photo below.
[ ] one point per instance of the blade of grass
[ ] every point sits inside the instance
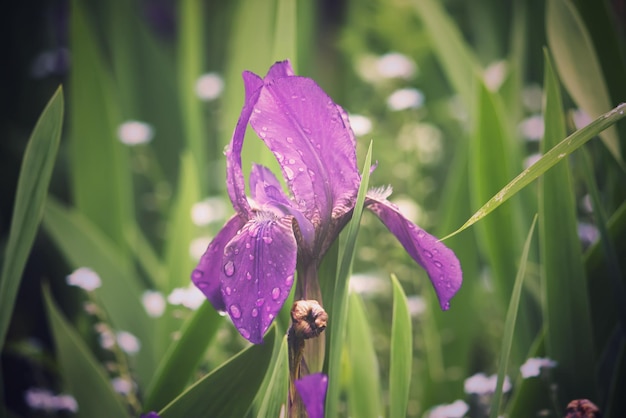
(100, 170)
(285, 33)
(509, 324)
(569, 338)
(364, 387)
(82, 373)
(229, 390)
(32, 188)
(401, 353)
(578, 67)
(179, 363)
(339, 308)
(275, 393)
(549, 159)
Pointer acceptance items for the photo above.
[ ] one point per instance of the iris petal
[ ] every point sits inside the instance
(312, 389)
(207, 274)
(257, 273)
(312, 140)
(439, 261)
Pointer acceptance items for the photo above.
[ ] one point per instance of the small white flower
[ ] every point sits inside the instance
(395, 65)
(107, 338)
(122, 385)
(209, 210)
(531, 159)
(480, 384)
(153, 302)
(128, 342)
(408, 98)
(361, 125)
(416, 305)
(494, 75)
(44, 399)
(85, 278)
(368, 284)
(190, 297)
(532, 367)
(581, 118)
(588, 233)
(457, 409)
(133, 132)
(209, 86)
(198, 246)
(532, 128)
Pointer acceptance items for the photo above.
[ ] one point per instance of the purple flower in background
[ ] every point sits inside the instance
(150, 414)
(312, 389)
(248, 269)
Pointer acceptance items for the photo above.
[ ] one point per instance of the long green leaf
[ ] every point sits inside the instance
(364, 386)
(565, 284)
(509, 324)
(182, 357)
(285, 33)
(99, 166)
(549, 159)
(85, 378)
(229, 390)
(338, 320)
(401, 353)
(274, 398)
(30, 197)
(578, 66)
(83, 245)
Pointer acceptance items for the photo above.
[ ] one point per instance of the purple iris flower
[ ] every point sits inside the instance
(248, 269)
(312, 389)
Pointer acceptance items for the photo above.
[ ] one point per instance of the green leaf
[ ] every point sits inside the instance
(32, 188)
(509, 324)
(364, 387)
(179, 363)
(275, 393)
(339, 309)
(578, 66)
(401, 353)
(565, 284)
(83, 245)
(457, 59)
(285, 33)
(99, 166)
(549, 159)
(229, 390)
(84, 377)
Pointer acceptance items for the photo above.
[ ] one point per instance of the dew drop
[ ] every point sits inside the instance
(292, 161)
(301, 169)
(289, 280)
(248, 245)
(260, 302)
(289, 173)
(248, 276)
(290, 140)
(235, 312)
(255, 312)
(267, 240)
(251, 257)
(244, 333)
(428, 254)
(421, 234)
(279, 156)
(228, 291)
(275, 293)
(229, 269)
(197, 274)
(262, 134)
(270, 316)
(438, 264)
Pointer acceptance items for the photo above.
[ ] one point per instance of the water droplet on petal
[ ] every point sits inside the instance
(438, 264)
(244, 333)
(255, 312)
(428, 254)
(229, 269)
(292, 161)
(267, 240)
(290, 140)
(197, 274)
(251, 257)
(279, 156)
(228, 291)
(260, 302)
(248, 276)
(275, 293)
(288, 173)
(248, 245)
(421, 234)
(235, 312)
(289, 280)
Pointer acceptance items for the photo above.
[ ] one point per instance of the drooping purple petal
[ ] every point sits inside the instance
(267, 191)
(206, 275)
(257, 273)
(439, 261)
(313, 143)
(312, 389)
(235, 182)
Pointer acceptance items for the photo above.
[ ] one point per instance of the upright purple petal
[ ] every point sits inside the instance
(235, 182)
(439, 261)
(279, 69)
(257, 273)
(206, 275)
(312, 389)
(313, 143)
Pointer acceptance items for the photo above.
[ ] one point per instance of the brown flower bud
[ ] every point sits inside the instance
(309, 319)
(582, 408)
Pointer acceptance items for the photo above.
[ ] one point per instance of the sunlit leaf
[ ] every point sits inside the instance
(32, 189)
(229, 390)
(274, 398)
(401, 352)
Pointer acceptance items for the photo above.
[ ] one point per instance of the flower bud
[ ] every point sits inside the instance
(309, 319)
